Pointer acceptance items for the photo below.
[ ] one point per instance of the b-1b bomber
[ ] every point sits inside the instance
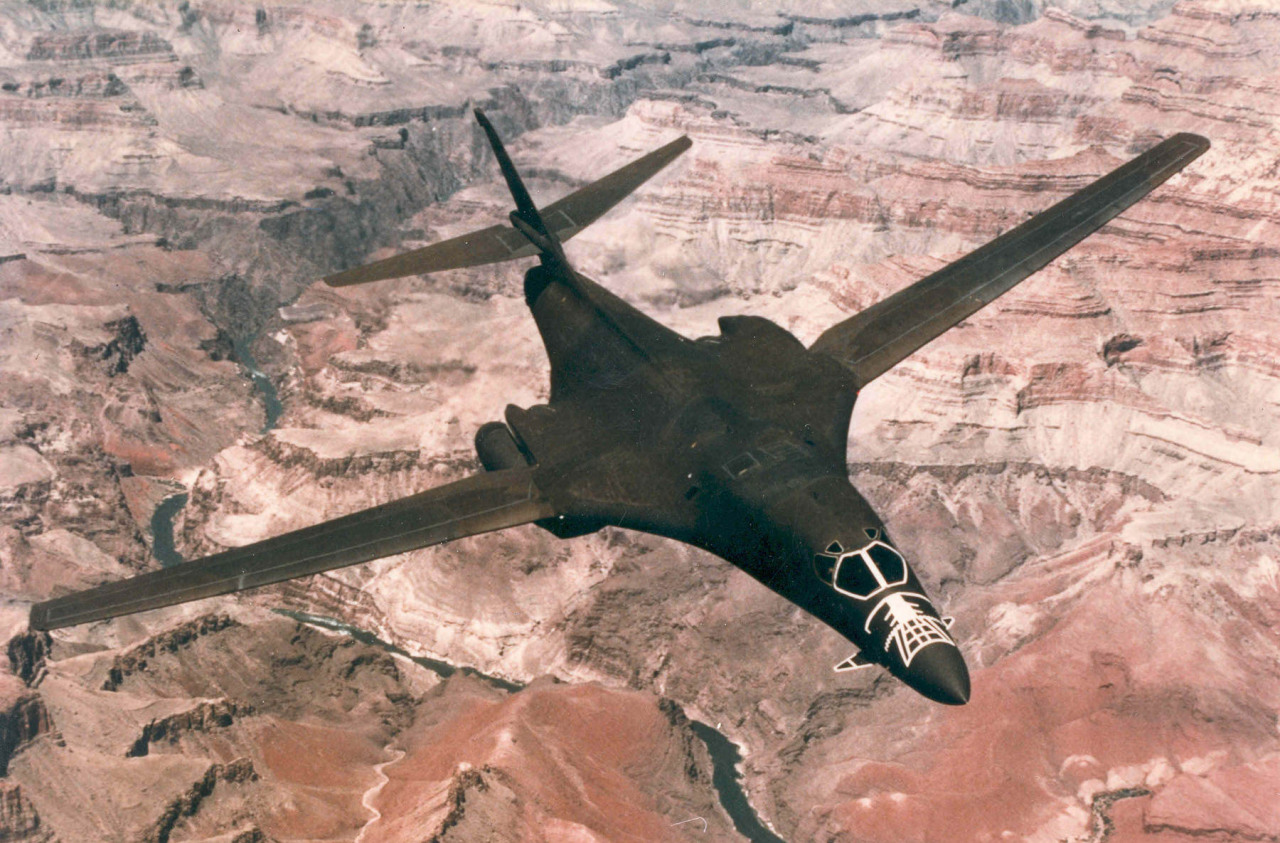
(734, 443)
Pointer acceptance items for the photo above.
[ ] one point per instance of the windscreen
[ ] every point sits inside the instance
(889, 562)
(861, 573)
(855, 577)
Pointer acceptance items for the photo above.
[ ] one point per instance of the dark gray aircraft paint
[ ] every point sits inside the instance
(733, 443)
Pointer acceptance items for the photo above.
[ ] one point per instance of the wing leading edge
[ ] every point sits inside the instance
(873, 341)
(478, 504)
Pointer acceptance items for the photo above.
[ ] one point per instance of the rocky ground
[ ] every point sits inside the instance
(1083, 473)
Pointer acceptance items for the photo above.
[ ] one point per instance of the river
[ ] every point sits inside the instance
(727, 780)
(442, 669)
(162, 546)
(162, 529)
(271, 406)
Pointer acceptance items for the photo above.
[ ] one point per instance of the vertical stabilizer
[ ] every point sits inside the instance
(525, 217)
(531, 232)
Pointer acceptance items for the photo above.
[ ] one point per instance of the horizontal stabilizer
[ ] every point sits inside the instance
(503, 242)
(478, 504)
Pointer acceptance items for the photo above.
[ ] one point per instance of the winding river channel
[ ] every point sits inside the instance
(271, 406)
(162, 546)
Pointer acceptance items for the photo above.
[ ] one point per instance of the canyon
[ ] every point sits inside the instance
(1083, 473)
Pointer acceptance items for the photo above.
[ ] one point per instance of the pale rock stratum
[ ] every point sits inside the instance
(1084, 473)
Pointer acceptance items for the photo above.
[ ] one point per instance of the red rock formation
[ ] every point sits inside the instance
(552, 762)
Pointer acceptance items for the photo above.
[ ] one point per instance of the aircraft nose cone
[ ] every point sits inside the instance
(939, 673)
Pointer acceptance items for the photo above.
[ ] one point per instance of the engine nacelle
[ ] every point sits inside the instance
(497, 448)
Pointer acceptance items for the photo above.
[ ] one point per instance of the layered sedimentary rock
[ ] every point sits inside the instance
(1083, 473)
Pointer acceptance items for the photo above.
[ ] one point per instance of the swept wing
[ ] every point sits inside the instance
(879, 337)
(477, 504)
(563, 219)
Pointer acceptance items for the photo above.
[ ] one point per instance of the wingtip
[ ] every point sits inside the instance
(1200, 142)
(38, 620)
(339, 279)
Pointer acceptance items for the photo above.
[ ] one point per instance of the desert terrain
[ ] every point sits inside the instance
(1084, 474)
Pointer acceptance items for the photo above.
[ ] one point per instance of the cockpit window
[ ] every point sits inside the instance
(863, 572)
(856, 577)
(888, 561)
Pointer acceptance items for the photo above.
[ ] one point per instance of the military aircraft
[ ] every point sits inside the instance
(733, 443)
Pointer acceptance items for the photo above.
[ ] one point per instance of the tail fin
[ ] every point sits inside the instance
(531, 232)
(525, 217)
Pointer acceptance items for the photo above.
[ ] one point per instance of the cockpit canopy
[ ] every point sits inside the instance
(860, 573)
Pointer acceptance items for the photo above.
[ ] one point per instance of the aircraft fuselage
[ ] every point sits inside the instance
(742, 438)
